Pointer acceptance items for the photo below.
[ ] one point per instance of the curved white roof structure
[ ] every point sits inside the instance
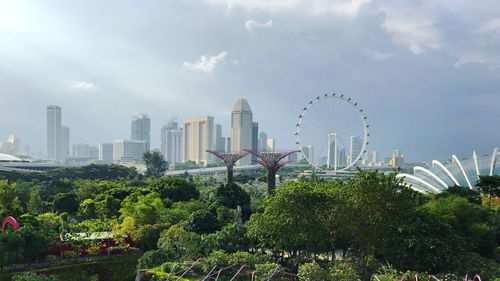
(457, 172)
(8, 158)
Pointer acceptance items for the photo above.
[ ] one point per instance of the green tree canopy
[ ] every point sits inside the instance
(156, 165)
(174, 188)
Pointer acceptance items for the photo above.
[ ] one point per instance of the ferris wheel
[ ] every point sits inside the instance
(332, 132)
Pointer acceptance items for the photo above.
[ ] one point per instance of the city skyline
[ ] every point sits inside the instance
(422, 92)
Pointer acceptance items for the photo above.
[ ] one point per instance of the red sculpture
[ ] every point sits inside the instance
(12, 221)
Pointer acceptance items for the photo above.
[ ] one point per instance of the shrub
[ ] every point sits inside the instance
(151, 259)
(263, 270)
(30, 276)
(314, 272)
(343, 271)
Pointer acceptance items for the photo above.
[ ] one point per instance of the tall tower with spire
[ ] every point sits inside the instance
(241, 129)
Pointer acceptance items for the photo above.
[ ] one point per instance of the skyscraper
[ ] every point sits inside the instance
(255, 140)
(199, 136)
(127, 151)
(65, 141)
(262, 141)
(375, 158)
(355, 149)
(308, 153)
(141, 127)
(241, 129)
(220, 141)
(106, 152)
(54, 133)
(271, 146)
(171, 142)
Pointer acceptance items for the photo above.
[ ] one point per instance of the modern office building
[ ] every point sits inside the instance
(228, 144)
(106, 152)
(375, 159)
(255, 140)
(241, 129)
(332, 156)
(308, 153)
(172, 142)
(262, 141)
(94, 152)
(128, 151)
(199, 136)
(54, 133)
(220, 141)
(141, 128)
(65, 141)
(81, 150)
(342, 158)
(397, 159)
(271, 145)
(355, 146)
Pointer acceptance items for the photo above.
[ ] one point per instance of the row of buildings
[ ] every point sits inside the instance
(188, 141)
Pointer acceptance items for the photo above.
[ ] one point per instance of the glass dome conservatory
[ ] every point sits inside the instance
(456, 172)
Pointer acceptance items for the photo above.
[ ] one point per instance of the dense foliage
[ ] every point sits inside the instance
(313, 229)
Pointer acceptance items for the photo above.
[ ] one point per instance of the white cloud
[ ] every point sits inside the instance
(206, 63)
(82, 85)
(251, 25)
(491, 26)
(344, 8)
(412, 26)
(377, 55)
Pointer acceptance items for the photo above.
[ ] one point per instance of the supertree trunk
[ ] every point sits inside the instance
(272, 162)
(229, 159)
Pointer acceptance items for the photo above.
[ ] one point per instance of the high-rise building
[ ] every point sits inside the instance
(65, 141)
(81, 150)
(375, 158)
(262, 141)
(255, 140)
(220, 141)
(141, 128)
(171, 142)
(354, 149)
(199, 136)
(332, 157)
(342, 158)
(128, 151)
(228, 144)
(271, 146)
(106, 152)
(308, 153)
(241, 129)
(397, 159)
(94, 152)
(54, 133)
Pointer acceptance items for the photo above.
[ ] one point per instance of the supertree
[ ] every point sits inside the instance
(229, 159)
(272, 162)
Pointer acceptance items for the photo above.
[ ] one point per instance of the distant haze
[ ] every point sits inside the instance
(427, 73)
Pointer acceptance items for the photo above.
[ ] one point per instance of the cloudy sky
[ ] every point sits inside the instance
(426, 72)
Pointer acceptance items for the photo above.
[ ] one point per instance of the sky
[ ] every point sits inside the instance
(426, 73)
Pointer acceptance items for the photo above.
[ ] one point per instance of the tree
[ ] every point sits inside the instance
(144, 209)
(65, 202)
(371, 208)
(298, 217)
(11, 248)
(156, 165)
(202, 221)
(490, 186)
(174, 188)
(179, 243)
(36, 242)
(9, 200)
(232, 195)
